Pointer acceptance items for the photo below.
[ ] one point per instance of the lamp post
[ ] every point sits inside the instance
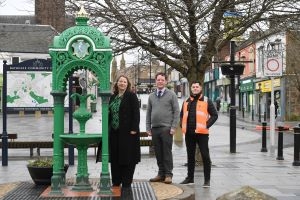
(243, 109)
(150, 85)
(135, 78)
(232, 69)
(165, 47)
(138, 71)
(259, 109)
(252, 113)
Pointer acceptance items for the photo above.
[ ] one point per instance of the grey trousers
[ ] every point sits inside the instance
(163, 141)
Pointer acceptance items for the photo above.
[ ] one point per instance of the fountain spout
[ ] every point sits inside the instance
(82, 115)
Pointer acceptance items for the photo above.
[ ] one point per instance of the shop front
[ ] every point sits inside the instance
(264, 90)
(247, 96)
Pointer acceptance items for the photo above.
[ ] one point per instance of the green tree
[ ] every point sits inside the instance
(185, 34)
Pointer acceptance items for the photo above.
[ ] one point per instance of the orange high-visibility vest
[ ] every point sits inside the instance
(201, 116)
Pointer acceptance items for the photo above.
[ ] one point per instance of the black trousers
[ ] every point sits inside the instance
(122, 174)
(191, 140)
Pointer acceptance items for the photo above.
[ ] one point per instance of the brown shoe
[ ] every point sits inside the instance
(157, 179)
(168, 180)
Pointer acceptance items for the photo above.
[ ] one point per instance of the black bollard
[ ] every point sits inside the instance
(264, 137)
(280, 143)
(296, 146)
(243, 112)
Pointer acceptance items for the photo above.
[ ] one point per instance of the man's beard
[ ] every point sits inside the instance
(196, 95)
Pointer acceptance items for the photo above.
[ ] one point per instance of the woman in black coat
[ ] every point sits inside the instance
(124, 140)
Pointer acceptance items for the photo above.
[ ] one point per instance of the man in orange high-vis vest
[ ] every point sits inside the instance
(197, 115)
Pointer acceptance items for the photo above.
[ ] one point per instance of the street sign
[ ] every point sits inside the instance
(273, 63)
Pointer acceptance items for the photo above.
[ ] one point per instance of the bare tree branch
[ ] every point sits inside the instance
(2, 3)
(185, 34)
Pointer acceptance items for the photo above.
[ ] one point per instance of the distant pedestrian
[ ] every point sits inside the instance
(276, 108)
(197, 115)
(218, 103)
(124, 140)
(162, 118)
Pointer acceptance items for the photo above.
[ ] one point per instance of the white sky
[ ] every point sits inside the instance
(17, 7)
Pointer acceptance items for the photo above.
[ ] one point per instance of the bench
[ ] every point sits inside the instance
(11, 136)
(34, 144)
(146, 141)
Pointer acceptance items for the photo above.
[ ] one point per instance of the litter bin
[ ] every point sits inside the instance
(93, 107)
(179, 95)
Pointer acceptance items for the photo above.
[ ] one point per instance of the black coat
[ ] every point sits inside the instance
(123, 146)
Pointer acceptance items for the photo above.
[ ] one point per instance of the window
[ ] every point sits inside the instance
(15, 60)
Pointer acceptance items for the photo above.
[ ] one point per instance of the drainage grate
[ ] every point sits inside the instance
(25, 190)
(142, 190)
(30, 191)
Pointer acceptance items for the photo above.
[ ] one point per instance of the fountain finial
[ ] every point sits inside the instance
(82, 12)
(82, 17)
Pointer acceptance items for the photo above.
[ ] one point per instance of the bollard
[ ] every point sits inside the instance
(243, 112)
(264, 137)
(296, 146)
(280, 143)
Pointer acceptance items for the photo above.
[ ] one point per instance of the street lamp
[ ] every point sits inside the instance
(150, 85)
(259, 109)
(165, 47)
(232, 69)
(252, 114)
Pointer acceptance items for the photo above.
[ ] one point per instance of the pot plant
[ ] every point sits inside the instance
(41, 170)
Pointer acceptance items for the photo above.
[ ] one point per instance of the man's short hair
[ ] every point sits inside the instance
(161, 74)
(197, 82)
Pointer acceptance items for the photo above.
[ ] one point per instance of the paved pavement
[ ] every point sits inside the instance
(230, 171)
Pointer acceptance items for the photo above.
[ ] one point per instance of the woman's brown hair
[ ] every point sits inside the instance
(116, 90)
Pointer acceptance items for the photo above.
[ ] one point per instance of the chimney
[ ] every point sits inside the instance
(51, 13)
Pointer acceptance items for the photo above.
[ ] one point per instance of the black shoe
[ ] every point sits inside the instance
(187, 180)
(126, 193)
(206, 184)
(126, 186)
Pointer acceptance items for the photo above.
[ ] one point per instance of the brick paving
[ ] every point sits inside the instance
(230, 171)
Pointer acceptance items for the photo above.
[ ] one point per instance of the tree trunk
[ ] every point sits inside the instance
(194, 75)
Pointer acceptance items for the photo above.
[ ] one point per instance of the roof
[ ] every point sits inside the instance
(26, 38)
(18, 19)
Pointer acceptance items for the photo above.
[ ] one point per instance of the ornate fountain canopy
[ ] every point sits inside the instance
(81, 47)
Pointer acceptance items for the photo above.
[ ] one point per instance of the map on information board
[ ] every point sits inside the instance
(29, 89)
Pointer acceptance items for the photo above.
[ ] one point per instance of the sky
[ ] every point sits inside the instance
(26, 7)
(17, 7)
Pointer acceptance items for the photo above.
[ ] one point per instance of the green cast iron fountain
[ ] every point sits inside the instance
(80, 47)
(82, 142)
